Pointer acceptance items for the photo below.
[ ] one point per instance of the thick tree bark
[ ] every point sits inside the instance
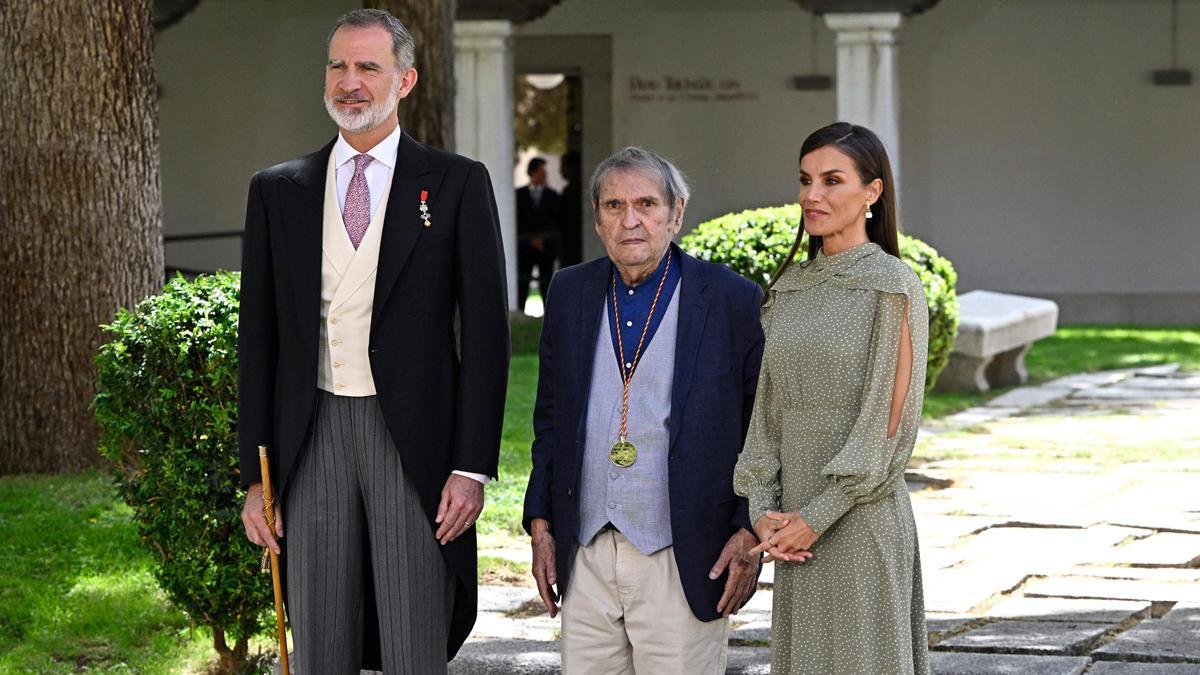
(80, 212)
(428, 112)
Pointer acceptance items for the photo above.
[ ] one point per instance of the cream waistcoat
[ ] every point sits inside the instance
(347, 296)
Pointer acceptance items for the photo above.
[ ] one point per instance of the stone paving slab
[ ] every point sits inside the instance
(969, 663)
(505, 657)
(972, 417)
(935, 558)
(757, 609)
(1068, 609)
(1162, 549)
(959, 589)
(1116, 589)
(938, 625)
(1133, 668)
(504, 598)
(495, 625)
(1088, 380)
(1132, 395)
(1029, 397)
(1155, 640)
(1163, 522)
(1185, 383)
(1042, 550)
(1028, 637)
(1169, 574)
(945, 529)
(1184, 611)
(1156, 371)
(754, 631)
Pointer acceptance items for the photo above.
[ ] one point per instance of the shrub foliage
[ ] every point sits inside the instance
(167, 408)
(753, 243)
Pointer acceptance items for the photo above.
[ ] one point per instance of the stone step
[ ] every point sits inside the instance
(1028, 637)
(1138, 668)
(1156, 640)
(968, 663)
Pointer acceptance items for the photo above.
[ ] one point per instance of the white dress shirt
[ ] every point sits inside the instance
(377, 174)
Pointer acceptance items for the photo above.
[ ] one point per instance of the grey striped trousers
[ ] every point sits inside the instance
(350, 499)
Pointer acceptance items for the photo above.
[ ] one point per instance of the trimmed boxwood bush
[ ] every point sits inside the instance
(167, 408)
(753, 243)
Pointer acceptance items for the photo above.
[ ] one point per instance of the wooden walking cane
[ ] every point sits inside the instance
(269, 512)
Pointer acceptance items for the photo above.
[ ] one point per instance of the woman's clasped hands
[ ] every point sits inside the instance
(784, 536)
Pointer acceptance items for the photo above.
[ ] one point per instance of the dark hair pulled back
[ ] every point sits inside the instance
(870, 159)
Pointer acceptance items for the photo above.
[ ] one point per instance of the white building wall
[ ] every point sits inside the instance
(1036, 154)
(1041, 160)
(738, 153)
(242, 84)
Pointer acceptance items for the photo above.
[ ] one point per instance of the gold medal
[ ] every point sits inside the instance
(623, 453)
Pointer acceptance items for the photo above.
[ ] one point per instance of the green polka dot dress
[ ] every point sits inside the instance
(818, 445)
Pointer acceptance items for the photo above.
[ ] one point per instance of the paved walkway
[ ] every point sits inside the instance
(1055, 538)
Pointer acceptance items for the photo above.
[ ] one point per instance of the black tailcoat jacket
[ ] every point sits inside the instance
(441, 390)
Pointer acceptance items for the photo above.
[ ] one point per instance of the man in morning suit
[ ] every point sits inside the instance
(648, 366)
(383, 427)
(537, 230)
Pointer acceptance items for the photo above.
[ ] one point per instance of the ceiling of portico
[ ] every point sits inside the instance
(906, 7)
(517, 11)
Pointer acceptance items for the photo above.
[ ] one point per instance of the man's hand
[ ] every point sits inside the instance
(462, 502)
(544, 570)
(788, 537)
(255, 521)
(743, 571)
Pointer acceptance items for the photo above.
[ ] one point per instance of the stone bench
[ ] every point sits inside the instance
(995, 330)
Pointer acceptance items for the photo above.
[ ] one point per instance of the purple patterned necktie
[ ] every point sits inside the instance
(357, 212)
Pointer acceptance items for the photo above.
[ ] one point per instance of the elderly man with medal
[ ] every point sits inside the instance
(649, 362)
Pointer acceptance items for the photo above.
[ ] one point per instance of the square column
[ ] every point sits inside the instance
(868, 85)
(483, 120)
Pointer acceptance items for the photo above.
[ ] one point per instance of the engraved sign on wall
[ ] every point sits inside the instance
(679, 89)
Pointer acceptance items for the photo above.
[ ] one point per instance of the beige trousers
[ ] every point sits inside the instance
(625, 612)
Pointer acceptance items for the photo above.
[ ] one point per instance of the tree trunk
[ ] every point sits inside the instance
(80, 212)
(428, 112)
(230, 660)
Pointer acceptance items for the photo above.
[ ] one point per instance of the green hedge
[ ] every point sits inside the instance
(753, 243)
(167, 408)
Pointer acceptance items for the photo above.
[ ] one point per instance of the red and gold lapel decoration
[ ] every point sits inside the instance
(425, 207)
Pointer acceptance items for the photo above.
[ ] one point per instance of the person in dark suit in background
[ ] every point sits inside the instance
(537, 231)
(383, 425)
(648, 366)
(570, 211)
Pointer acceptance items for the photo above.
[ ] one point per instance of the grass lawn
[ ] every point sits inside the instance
(77, 592)
(1085, 349)
(76, 589)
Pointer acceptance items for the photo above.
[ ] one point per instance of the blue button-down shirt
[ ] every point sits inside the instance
(633, 303)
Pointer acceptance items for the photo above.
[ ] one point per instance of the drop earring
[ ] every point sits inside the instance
(869, 214)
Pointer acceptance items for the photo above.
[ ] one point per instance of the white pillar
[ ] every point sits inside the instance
(868, 85)
(483, 118)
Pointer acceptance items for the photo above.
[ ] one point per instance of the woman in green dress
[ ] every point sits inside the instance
(838, 406)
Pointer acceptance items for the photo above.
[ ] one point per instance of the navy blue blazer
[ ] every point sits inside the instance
(717, 355)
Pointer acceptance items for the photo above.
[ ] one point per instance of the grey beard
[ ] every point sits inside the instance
(357, 123)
